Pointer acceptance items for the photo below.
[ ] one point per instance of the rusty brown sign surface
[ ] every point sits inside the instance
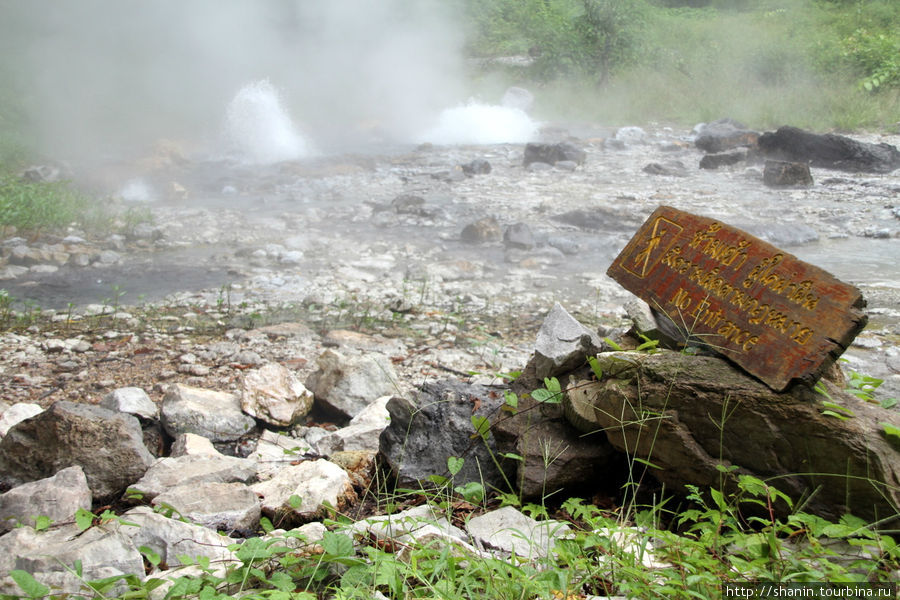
(774, 315)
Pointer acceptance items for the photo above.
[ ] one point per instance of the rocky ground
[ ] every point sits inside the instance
(449, 266)
(424, 264)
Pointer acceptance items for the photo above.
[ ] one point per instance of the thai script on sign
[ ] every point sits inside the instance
(740, 295)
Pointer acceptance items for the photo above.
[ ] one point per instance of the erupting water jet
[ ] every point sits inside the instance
(476, 123)
(259, 128)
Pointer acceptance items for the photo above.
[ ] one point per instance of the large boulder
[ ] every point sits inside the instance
(688, 415)
(437, 424)
(829, 151)
(107, 445)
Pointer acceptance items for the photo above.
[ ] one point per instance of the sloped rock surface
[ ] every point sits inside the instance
(50, 555)
(170, 538)
(436, 425)
(313, 483)
(688, 414)
(829, 151)
(347, 383)
(57, 498)
(562, 344)
(107, 445)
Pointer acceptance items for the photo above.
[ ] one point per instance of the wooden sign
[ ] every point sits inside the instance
(775, 316)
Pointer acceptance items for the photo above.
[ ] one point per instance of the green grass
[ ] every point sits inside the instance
(31, 206)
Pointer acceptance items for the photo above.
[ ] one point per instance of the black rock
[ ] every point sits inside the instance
(723, 135)
(714, 161)
(479, 166)
(829, 151)
(673, 169)
(518, 235)
(408, 204)
(787, 174)
(553, 153)
(425, 432)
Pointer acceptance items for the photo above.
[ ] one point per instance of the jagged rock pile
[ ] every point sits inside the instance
(222, 461)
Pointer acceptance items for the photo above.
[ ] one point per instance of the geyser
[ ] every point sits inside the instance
(259, 129)
(477, 123)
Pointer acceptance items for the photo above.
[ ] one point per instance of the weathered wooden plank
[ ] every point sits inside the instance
(775, 316)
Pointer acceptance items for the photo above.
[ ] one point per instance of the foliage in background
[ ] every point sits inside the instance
(821, 64)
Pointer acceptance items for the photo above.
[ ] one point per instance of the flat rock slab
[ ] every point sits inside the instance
(513, 532)
(777, 317)
(51, 555)
(168, 473)
(217, 506)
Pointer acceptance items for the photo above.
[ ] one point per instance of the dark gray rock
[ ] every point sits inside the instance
(481, 231)
(672, 169)
(479, 166)
(107, 445)
(829, 151)
(437, 424)
(779, 173)
(723, 159)
(650, 410)
(518, 235)
(553, 153)
(724, 135)
(409, 204)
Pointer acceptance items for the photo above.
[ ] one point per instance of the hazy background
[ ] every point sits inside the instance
(109, 77)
